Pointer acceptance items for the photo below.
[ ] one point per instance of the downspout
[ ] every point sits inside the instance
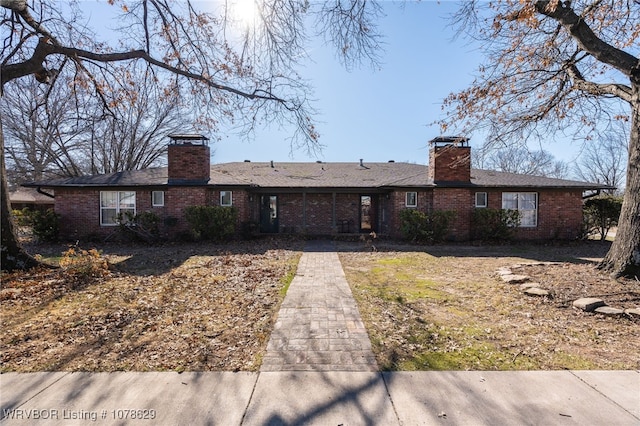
(40, 191)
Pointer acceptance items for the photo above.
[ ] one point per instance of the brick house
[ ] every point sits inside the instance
(318, 198)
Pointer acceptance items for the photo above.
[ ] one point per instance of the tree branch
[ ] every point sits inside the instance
(579, 82)
(587, 39)
(44, 49)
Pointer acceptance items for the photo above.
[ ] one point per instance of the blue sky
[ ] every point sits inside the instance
(381, 115)
(377, 115)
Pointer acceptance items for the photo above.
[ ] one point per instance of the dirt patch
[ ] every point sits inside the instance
(445, 307)
(176, 307)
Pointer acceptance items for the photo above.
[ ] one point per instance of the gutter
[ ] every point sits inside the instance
(40, 191)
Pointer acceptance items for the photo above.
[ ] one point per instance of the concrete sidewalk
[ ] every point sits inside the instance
(323, 398)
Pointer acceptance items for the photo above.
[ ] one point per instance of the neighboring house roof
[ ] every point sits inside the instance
(318, 175)
(29, 196)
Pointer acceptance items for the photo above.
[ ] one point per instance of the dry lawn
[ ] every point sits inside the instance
(444, 307)
(177, 307)
(201, 307)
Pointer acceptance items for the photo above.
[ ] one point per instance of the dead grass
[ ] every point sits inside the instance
(440, 308)
(181, 307)
(209, 307)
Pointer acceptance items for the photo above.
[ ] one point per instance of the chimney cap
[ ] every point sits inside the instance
(448, 140)
(187, 138)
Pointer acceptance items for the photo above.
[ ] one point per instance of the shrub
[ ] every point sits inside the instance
(212, 222)
(420, 227)
(601, 214)
(45, 224)
(494, 224)
(22, 217)
(142, 226)
(84, 263)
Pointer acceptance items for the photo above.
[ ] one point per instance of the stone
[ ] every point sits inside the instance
(537, 291)
(588, 304)
(529, 285)
(504, 271)
(633, 312)
(515, 279)
(609, 311)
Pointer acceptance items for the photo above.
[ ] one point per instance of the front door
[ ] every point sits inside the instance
(366, 223)
(269, 214)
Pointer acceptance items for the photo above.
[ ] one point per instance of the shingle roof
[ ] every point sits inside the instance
(318, 175)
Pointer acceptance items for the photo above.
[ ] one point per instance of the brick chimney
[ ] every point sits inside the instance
(188, 157)
(449, 159)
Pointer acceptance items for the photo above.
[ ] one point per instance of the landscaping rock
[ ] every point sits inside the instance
(633, 312)
(609, 311)
(537, 291)
(588, 304)
(529, 285)
(515, 279)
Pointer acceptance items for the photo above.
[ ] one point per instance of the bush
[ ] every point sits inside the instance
(22, 217)
(45, 225)
(421, 227)
(212, 222)
(494, 224)
(601, 214)
(84, 263)
(142, 226)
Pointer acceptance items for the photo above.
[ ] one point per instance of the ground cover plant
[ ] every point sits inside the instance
(445, 308)
(178, 307)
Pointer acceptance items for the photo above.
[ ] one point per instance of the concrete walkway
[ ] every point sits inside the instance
(319, 327)
(319, 370)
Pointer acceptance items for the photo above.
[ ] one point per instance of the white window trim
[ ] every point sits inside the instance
(117, 206)
(153, 199)
(519, 209)
(486, 200)
(406, 199)
(230, 203)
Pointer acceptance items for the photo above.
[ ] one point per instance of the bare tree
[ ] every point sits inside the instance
(248, 83)
(131, 135)
(521, 160)
(558, 66)
(43, 131)
(604, 160)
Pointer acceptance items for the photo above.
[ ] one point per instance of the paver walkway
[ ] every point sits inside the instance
(319, 326)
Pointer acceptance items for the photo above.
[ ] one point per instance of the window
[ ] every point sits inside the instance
(114, 203)
(481, 199)
(526, 203)
(226, 198)
(411, 199)
(157, 198)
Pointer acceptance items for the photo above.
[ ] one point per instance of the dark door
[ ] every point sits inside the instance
(269, 214)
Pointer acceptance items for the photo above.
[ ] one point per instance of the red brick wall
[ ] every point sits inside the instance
(450, 163)
(397, 202)
(461, 201)
(559, 213)
(79, 211)
(188, 162)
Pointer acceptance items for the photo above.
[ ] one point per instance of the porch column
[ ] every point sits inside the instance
(304, 210)
(333, 212)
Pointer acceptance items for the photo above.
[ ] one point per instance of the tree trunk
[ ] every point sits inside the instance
(623, 258)
(13, 255)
